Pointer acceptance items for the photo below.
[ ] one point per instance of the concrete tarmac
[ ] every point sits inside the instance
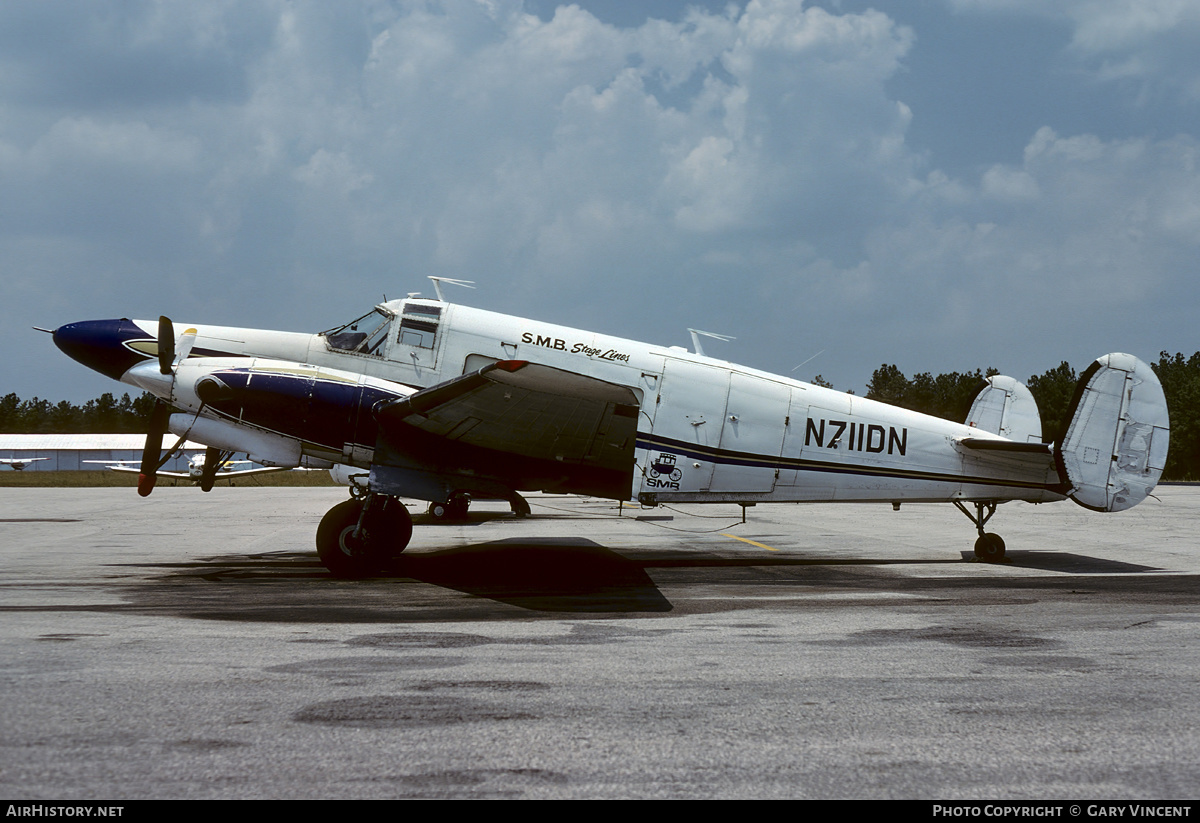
(190, 645)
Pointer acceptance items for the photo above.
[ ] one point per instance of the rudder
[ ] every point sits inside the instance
(1115, 447)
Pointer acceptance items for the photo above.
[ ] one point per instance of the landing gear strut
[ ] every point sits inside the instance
(520, 505)
(356, 538)
(989, 547)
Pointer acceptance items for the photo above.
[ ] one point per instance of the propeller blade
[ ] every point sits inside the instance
(212, 462)
(166, 344)
(148, 475)
(186, 341)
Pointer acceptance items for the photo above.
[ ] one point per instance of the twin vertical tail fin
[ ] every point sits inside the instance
(1115, 447)
(1004, 406)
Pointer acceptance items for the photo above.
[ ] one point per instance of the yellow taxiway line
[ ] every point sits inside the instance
(751, 542)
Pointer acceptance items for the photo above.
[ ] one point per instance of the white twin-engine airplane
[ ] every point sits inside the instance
(443, 402)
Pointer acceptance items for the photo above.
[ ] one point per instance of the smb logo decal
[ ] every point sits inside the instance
(663, 473)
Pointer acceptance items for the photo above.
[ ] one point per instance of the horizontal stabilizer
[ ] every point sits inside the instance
(1032, 461)
(977, 443)
(1006, 407)
(1115, 447)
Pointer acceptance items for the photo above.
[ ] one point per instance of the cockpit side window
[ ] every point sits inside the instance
(417, 333)
(420, 331)
(366, 335)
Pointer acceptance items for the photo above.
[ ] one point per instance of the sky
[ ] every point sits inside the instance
(943, 185)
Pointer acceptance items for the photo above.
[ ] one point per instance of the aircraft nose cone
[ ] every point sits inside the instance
(100, 345)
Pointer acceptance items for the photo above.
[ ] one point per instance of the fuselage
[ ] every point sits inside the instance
(708, 430)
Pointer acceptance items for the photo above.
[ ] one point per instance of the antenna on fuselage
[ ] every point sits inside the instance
(696, 339)
(814, 357)
(437, 285)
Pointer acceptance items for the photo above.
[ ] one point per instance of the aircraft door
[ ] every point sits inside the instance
(687, 426)
(647, 388)
(752, 434)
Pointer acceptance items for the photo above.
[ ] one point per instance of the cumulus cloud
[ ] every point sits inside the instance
(1147, 43)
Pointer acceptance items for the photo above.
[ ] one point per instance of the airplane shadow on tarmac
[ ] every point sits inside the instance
(534, 575)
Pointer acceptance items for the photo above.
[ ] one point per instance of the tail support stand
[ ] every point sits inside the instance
(744, 507)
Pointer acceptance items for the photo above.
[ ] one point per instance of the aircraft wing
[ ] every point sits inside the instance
(521, 424)
(8, 461)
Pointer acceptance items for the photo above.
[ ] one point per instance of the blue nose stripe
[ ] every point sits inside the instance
(100, 344)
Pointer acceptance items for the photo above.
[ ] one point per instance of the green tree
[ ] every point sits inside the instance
(1180, 379)
(1053, 391)
(888, 385)
(947, 396)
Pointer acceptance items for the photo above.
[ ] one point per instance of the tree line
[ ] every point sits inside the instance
(104, 415)
(947, 396)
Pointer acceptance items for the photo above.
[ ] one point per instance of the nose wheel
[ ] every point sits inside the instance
(989, 546)
(357, 538)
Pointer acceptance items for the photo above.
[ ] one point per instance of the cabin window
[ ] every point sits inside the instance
(365, 335)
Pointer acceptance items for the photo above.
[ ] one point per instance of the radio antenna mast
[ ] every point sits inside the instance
(696, 338)
(437, 285)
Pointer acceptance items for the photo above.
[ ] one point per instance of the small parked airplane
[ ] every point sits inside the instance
(442, 402)
(196, 466)
(19, 463)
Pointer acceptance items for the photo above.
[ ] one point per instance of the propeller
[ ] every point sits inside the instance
(168, 361)
(213, 457)
(166, 344)
(148, 475)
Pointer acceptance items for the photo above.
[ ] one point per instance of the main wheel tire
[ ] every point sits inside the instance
(989, 548)
(385, 532)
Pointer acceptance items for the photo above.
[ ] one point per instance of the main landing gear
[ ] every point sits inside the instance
(989, 547)
(456, 508)
(357, 538)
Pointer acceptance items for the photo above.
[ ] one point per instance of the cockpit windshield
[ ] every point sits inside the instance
(362, 336)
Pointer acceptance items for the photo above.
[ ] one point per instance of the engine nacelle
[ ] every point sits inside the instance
(261, 447)
(349, 475)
